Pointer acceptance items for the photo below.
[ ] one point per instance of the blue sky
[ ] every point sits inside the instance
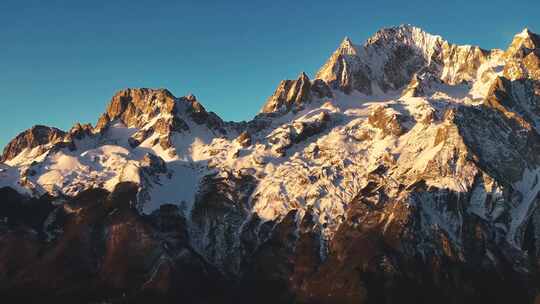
(61, 61)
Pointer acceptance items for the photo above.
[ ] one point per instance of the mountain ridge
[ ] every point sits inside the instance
(407, 164)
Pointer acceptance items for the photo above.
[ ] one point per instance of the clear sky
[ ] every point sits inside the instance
(61, 61)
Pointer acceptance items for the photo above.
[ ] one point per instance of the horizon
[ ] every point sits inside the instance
(45, 62)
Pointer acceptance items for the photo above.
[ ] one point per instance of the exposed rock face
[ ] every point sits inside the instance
(389, 59)
(136, 107)
(103, 250)
(523, 57)
(345, 71)
(286, 136)
(154, 163)
(221, 197)
(523, 44)
(31, 138)
(294, 94)
(157, 112)
(130, 106)
(460, 63)
(518, 100)
(408, 171)
(388, 121)
(244, 139)
(421, 85)
(79, 132)
(199, 114)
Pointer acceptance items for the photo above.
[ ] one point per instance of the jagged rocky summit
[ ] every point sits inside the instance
(407, 171)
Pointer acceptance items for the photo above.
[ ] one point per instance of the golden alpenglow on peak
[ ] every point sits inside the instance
(405, 171)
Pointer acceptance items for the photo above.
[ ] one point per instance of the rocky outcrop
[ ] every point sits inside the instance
(421, 85)
(134, 107)
(79, 131)
(518, 101)
(523, 44)
(458, 63)
(295, 94)
(523, 57)
(505, 108)
(104, 250)
(153, 164)
(137, 107)
(199, 114)
(244, 139)
(297, 132)
(37, 136)
(221, 197)
(157, 112)
(389, 60)
(388, 121)
(345, 70)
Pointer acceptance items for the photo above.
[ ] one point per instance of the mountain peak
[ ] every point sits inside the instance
(38, 135)
(142, 93)
(303, 76)
(404, 34)
(347, 47)
(130, 105)
(522, 44)
(386, 61)
(525, 33)
(402, 27)
(346, 40)
(190, 97)
(293, 94)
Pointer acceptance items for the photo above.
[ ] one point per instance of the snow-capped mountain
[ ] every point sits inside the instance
(406, 170)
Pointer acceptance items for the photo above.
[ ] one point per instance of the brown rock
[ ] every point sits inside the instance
(153, 163)
(388, 121)
(345, 71)
(200, 116)
(31, 138)
(293, 94)
(140, 136)
(523, 44)
(80, 131)
(463, 60)
(130, 105)
(244, 139)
